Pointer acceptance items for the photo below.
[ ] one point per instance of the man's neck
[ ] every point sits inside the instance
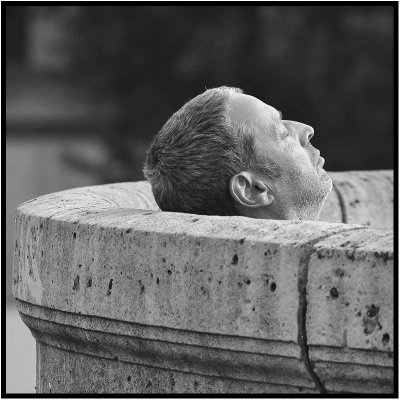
(271, 212)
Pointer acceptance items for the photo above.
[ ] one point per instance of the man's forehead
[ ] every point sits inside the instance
(243, 107)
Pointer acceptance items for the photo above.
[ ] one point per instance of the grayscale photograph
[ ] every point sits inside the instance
(199, 198)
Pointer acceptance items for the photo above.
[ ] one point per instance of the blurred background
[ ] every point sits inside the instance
(87, 87)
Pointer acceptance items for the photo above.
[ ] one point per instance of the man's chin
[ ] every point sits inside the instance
(322, 172)
(327, 180)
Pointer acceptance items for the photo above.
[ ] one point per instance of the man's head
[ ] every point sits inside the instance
(227, 153)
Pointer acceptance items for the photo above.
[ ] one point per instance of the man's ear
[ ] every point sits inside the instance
(248, 190)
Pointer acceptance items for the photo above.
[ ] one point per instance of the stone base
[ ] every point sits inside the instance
(123, 300)
(62, 371)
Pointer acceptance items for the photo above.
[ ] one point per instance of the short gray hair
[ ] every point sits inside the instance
(195, 154)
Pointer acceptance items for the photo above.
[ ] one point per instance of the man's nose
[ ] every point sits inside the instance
(303, 131)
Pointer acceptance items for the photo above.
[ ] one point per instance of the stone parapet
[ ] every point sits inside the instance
(124, 299)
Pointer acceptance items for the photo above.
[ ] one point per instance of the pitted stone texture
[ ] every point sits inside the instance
(223, 275)
(90, 252)
(367, 197)
(350, 311)
(111, 326)
(350, 291)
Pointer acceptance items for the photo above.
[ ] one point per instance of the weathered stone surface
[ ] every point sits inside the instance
(365, 197)
(350, 291)
(228, 302)
(352, 377)
(204, 358)
(61, 373)
(239, 274)
(350, 311)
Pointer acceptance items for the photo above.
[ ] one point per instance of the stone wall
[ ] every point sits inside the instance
(126, 300)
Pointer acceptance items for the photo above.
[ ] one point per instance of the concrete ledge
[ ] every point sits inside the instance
(231, 303)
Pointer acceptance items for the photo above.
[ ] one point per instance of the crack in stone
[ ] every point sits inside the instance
(302, 333)
(302, 311)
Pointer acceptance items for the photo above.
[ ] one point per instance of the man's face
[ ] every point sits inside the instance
(303, 185)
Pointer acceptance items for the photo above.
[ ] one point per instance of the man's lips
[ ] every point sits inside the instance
(320, 161)
(318, 158)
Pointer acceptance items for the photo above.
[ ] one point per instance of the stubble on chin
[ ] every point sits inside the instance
(304, 194)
